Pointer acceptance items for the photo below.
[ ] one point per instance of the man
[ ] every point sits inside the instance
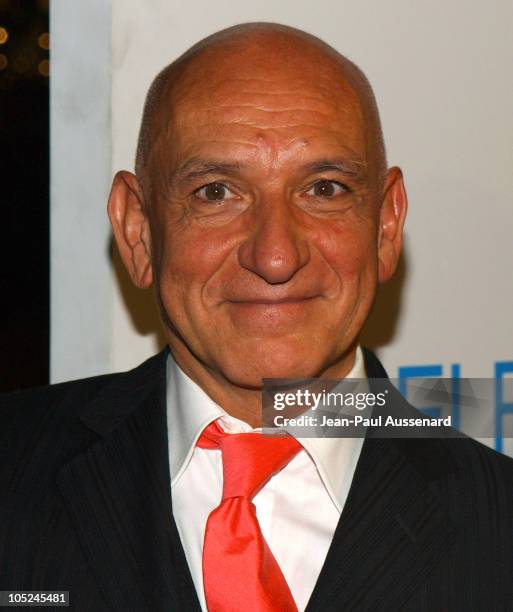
(263, 213)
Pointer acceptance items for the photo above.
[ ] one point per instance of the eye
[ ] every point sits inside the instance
(214, 192)
(326, 189)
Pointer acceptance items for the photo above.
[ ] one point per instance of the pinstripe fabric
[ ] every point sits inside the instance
(85, 506)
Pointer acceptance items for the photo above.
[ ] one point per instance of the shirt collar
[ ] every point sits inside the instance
(190, 410)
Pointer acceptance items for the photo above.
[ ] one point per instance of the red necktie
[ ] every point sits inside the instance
(239, 569)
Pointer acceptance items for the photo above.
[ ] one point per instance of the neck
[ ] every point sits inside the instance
(244, 403)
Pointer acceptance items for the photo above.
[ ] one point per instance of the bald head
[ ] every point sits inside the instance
(249, 48)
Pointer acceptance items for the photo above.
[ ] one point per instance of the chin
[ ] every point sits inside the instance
(249, 371)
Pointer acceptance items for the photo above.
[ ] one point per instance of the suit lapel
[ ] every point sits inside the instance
(391, 533)
(118, 496)
(392, 530)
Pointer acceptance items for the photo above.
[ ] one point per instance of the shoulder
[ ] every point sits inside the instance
(43, 428)
(66, 401)
(473, 480)
(30, 408)
(481, 462)
(434, 456)
(40, 428)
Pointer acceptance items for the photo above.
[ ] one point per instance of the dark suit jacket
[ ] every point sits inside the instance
(85, 506)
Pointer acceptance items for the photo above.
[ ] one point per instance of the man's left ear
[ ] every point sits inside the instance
(391, 223)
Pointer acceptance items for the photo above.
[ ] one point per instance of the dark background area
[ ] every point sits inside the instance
(24, 193)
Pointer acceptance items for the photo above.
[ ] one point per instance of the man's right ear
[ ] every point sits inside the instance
(130, 224)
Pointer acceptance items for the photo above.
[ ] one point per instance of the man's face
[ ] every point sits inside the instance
(265, 238)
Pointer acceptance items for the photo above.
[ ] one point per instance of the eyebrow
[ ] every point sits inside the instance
(352, 168)
(198, 168)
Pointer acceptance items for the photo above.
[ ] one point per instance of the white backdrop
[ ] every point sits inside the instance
(442, 77)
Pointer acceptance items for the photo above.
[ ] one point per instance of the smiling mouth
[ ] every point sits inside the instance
(274, 302)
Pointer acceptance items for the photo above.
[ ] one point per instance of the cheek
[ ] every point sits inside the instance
(188, 260)
(349, 249)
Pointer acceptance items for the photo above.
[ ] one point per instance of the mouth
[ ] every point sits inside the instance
(276, 316)
(273, 302)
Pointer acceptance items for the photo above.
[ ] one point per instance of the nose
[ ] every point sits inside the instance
(275, 249)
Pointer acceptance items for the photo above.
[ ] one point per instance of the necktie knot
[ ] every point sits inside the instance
(249, 459)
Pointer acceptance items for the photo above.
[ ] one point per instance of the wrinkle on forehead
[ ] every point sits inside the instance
(323, 94)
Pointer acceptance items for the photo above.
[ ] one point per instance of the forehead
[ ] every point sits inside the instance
(272, 102)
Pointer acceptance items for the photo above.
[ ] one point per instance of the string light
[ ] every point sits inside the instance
(44, 67)
(4, 36)
(3, 61)
(44, 41)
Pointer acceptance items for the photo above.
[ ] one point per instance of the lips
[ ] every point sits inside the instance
(273, 301)
(262, 316)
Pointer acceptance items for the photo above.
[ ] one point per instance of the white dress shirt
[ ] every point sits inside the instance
(298, 509)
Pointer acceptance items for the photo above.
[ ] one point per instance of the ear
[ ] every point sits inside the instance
(130, 224)
(391, 223)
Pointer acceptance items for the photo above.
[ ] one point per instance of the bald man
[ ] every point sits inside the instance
(263, 213)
